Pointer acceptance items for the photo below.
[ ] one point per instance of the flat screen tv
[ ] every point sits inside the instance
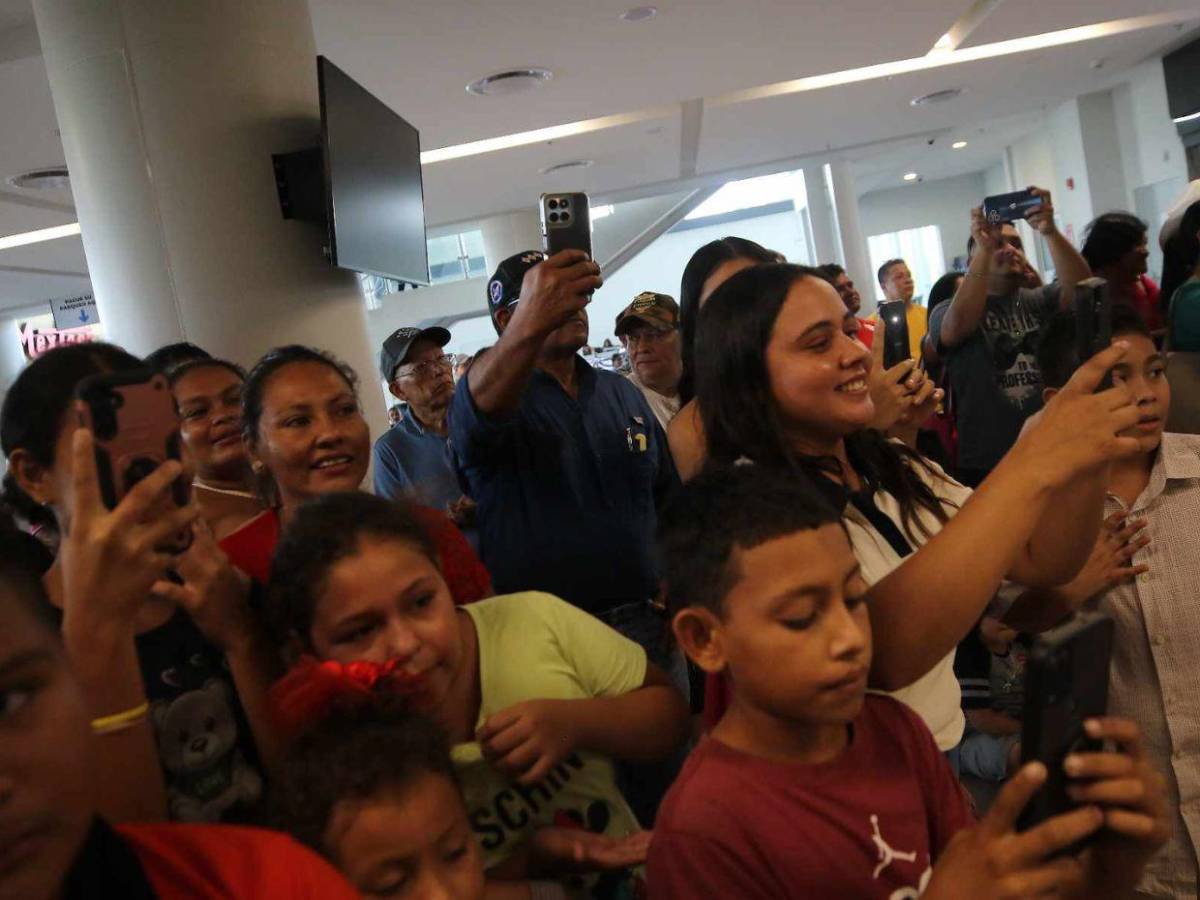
(374, 198)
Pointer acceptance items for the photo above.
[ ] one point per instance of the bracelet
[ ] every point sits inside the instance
(973, 275)
(121, 721)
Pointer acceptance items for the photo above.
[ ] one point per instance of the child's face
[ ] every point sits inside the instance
(415, 843)
(46, 806)
(389, 601)
(1144, 370)
(795, 632)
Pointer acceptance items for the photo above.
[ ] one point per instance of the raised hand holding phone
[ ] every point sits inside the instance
(111, 558)
(555, 291)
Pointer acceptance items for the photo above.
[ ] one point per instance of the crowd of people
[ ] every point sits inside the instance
(749, 622)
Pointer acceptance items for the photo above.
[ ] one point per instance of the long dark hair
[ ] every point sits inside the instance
(1109, 237)
(742, 419)
(699, 267)
(1180, 255)
(36, 403)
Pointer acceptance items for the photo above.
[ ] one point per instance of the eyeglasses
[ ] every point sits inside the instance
(648, 335)
(428, 369)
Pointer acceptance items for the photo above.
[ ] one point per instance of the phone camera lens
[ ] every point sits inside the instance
(553, 217)
(553, 204)
(565, 202)
(566, 217)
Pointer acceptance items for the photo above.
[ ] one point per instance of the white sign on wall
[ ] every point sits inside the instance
(74, 312)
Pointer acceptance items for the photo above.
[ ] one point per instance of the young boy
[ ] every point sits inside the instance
(1157, 613)
(808, 787)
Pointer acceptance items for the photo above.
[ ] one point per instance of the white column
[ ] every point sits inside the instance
(821, 215)
(169, 114)
(508, 234)
(854, 242)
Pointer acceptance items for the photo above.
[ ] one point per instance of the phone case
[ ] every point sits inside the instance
(1003, 208)
(136, 427)
(1093, 321)
(566, 222)
(1066, 683)
(896, 347)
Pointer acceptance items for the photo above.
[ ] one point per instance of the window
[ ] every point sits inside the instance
(921, 248)
(455, 257)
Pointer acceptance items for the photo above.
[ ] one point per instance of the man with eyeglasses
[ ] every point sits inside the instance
(649, 330)
(411, 458)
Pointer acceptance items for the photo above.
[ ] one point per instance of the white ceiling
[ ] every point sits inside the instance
(418, 56)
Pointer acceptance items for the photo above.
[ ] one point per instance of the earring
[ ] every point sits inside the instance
(256, 467)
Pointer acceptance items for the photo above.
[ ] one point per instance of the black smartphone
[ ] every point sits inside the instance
(136, 427)
(1093, 321)
(566, 222)
(894, 316)
(1066, 683)
(1003, 208)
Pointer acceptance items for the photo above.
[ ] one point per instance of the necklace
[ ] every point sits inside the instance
(196, 482)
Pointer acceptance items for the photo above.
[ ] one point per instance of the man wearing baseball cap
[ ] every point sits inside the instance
(649, 329)
(567, 463)
(411, 458)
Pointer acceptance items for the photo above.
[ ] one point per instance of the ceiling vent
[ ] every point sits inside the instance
(936, 97)
(53, 179)
(514, 81)
(563, 167)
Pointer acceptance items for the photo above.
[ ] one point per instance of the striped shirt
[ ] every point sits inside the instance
(1157, 648)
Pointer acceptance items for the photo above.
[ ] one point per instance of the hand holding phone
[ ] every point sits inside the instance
(1066, 684)
(135, 427)
(896, 349)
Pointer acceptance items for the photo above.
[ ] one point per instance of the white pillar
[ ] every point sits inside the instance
(854, 242)
(508, 234)
(169, 114)
(821, 216)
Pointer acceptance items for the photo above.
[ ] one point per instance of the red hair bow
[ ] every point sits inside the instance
(302, 696)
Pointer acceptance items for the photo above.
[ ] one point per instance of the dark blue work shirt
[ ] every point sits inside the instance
(567, 488)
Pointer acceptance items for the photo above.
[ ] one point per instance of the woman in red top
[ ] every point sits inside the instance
(53, 844)
(306, 436)
(1116, 247)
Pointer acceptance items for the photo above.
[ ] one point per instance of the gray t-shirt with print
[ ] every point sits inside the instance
(994, 375)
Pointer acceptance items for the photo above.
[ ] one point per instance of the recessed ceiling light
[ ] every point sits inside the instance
(911, 176)
(958, 145)
(512, 81)
(639, 14)
(52, 179)
(563, 167)
(936, 97)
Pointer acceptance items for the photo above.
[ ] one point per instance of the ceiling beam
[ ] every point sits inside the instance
(691, 120)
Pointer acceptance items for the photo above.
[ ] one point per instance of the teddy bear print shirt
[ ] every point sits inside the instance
(204, 740)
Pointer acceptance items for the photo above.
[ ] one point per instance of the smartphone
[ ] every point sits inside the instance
(1093, 321)
(894, 316)
(1003, 208)
(566, 222)
(1066, 683)
(133, 417)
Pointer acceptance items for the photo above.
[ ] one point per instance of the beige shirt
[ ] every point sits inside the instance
(936, 696)
(664, 408)
(1156, 651)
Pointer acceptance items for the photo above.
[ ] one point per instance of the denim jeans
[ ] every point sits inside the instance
(645, 784)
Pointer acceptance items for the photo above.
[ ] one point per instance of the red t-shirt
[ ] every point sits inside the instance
(1147, 300)
(196, 862)
(866, 332)
(868, 824)
(250, 548)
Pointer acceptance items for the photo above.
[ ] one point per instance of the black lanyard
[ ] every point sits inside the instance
(864, 502)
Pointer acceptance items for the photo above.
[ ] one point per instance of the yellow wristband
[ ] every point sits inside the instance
(121, 721)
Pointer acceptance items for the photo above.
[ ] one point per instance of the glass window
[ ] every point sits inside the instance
(454, 257)
(920, 248)
(472, 247)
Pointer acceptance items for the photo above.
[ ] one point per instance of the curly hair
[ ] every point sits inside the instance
(358, 751)
(323, 532)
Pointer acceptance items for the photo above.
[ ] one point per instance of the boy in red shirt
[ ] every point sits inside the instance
(809, 788)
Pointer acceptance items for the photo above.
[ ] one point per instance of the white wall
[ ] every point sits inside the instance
(1151, 150)
(945, 203)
